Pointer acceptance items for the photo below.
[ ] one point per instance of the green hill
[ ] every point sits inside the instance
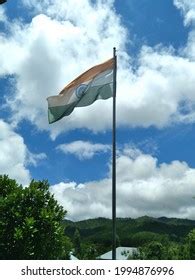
(130, 232)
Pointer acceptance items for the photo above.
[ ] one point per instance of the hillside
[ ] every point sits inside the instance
(130, 232)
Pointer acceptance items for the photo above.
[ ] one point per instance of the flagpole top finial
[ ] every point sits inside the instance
(114, 51)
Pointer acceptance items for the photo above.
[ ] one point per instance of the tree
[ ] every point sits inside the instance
(31, 222)
(152, 251)
(89, 252)
(77, 243)
(118, 243)
(191, 244)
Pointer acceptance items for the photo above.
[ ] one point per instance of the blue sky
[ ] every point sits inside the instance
(46, 44)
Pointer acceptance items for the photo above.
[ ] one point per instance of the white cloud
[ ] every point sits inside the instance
(143, 188)
(83, 149)
(65, 38)
(14, 155)
(188, 9)
(55, 51)
(34, 159)
(163, 82)
(2, 14)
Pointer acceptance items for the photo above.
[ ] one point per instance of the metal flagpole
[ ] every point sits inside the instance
(114, 159)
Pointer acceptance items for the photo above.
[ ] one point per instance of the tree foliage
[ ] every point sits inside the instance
(154, 251)
(191, 244)
(77, 244)
(168, 251)
(30, 222)
(156, 238)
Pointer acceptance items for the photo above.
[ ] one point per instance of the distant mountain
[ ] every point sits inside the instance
(130, 232)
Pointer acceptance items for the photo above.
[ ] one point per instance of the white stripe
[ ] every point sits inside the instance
(103, 78)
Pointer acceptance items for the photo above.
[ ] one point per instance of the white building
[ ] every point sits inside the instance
(122, 253)
(72, 257)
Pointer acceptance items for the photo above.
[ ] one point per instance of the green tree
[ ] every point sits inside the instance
(191, 244)
(153, 251)
(31, 222)
(77, 244)
(118, 242)
(183, 252)
(172, 251)
(89, 252)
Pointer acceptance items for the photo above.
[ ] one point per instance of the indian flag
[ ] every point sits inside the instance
(95, 83)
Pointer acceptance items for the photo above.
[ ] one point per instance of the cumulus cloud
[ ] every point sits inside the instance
(55, 51)
(65, 38)
(3, 17)
(188, 9)
(34, 159)
(163, 83)
(83, 149)
(14, 155)
(143, 188)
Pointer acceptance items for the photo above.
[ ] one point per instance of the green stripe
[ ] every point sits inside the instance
(91, 95)
(58, 112)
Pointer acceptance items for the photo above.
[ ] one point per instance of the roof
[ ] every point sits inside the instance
(72, 257)
(122, 253)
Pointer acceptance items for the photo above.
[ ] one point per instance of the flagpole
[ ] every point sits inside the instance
(114, 159)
